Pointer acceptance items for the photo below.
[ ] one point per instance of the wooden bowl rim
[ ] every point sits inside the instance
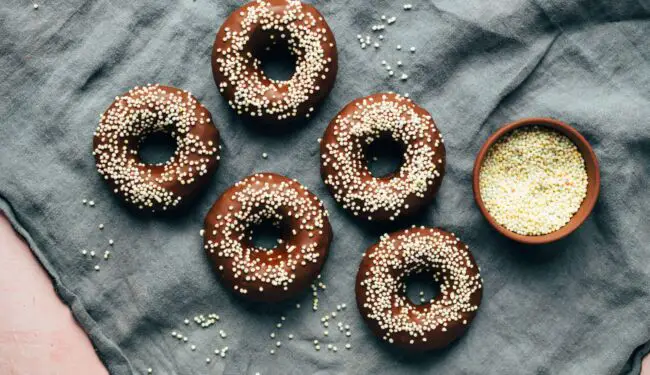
(593, 176)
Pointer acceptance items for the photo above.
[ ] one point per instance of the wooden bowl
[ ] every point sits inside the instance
(593, 179)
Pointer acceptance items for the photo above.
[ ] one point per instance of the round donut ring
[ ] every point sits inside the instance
(267, 275)
(381, 291)
(259, 25)
(134, 116)
(344, 167)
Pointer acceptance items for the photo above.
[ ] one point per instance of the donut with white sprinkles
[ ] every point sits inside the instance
(259, 274)
(381, 290)
(344, 166)
(260, 26)
(139, 113)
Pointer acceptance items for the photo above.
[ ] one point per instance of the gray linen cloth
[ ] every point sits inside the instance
(579, 306)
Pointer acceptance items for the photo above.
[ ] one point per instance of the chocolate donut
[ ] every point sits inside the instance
(256, 27)
(381, 291)
(139, 113)
(344, 167)
(259, 274)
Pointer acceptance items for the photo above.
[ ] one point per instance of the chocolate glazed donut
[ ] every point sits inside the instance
(260, 26)
(344, 166)
(144, 111)
(381, 291)
(259, 274)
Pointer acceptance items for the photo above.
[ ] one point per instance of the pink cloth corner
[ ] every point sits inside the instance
(38, 335)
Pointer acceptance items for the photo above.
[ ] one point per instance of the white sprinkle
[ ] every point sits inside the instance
(404, 77)
(278, 344)
(413, 49)
(399, 47)
(193, 347)
(97, 268)
(207, 360)
(107, 254)
(84, 251)
(91, 203)
(149, 370)
(376, 45)
(265, 155)
(101, 226)
(408, 6)
(35, 6)
(111, 242)
(348, 346)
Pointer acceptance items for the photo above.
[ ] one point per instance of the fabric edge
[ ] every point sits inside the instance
(100, 342)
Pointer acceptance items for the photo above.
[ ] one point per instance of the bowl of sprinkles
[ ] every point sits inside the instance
(536, 180)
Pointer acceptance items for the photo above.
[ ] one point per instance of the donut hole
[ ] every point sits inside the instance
(420, 287)
(266, 235)
(157, 148)
(278, 61)
(384, 156)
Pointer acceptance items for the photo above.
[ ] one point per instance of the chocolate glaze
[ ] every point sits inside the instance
(205, 131)
(259, 40)
(435, 339)
(414, 202)
(304, 273)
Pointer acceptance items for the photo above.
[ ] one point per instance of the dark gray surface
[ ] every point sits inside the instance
(581, 309)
